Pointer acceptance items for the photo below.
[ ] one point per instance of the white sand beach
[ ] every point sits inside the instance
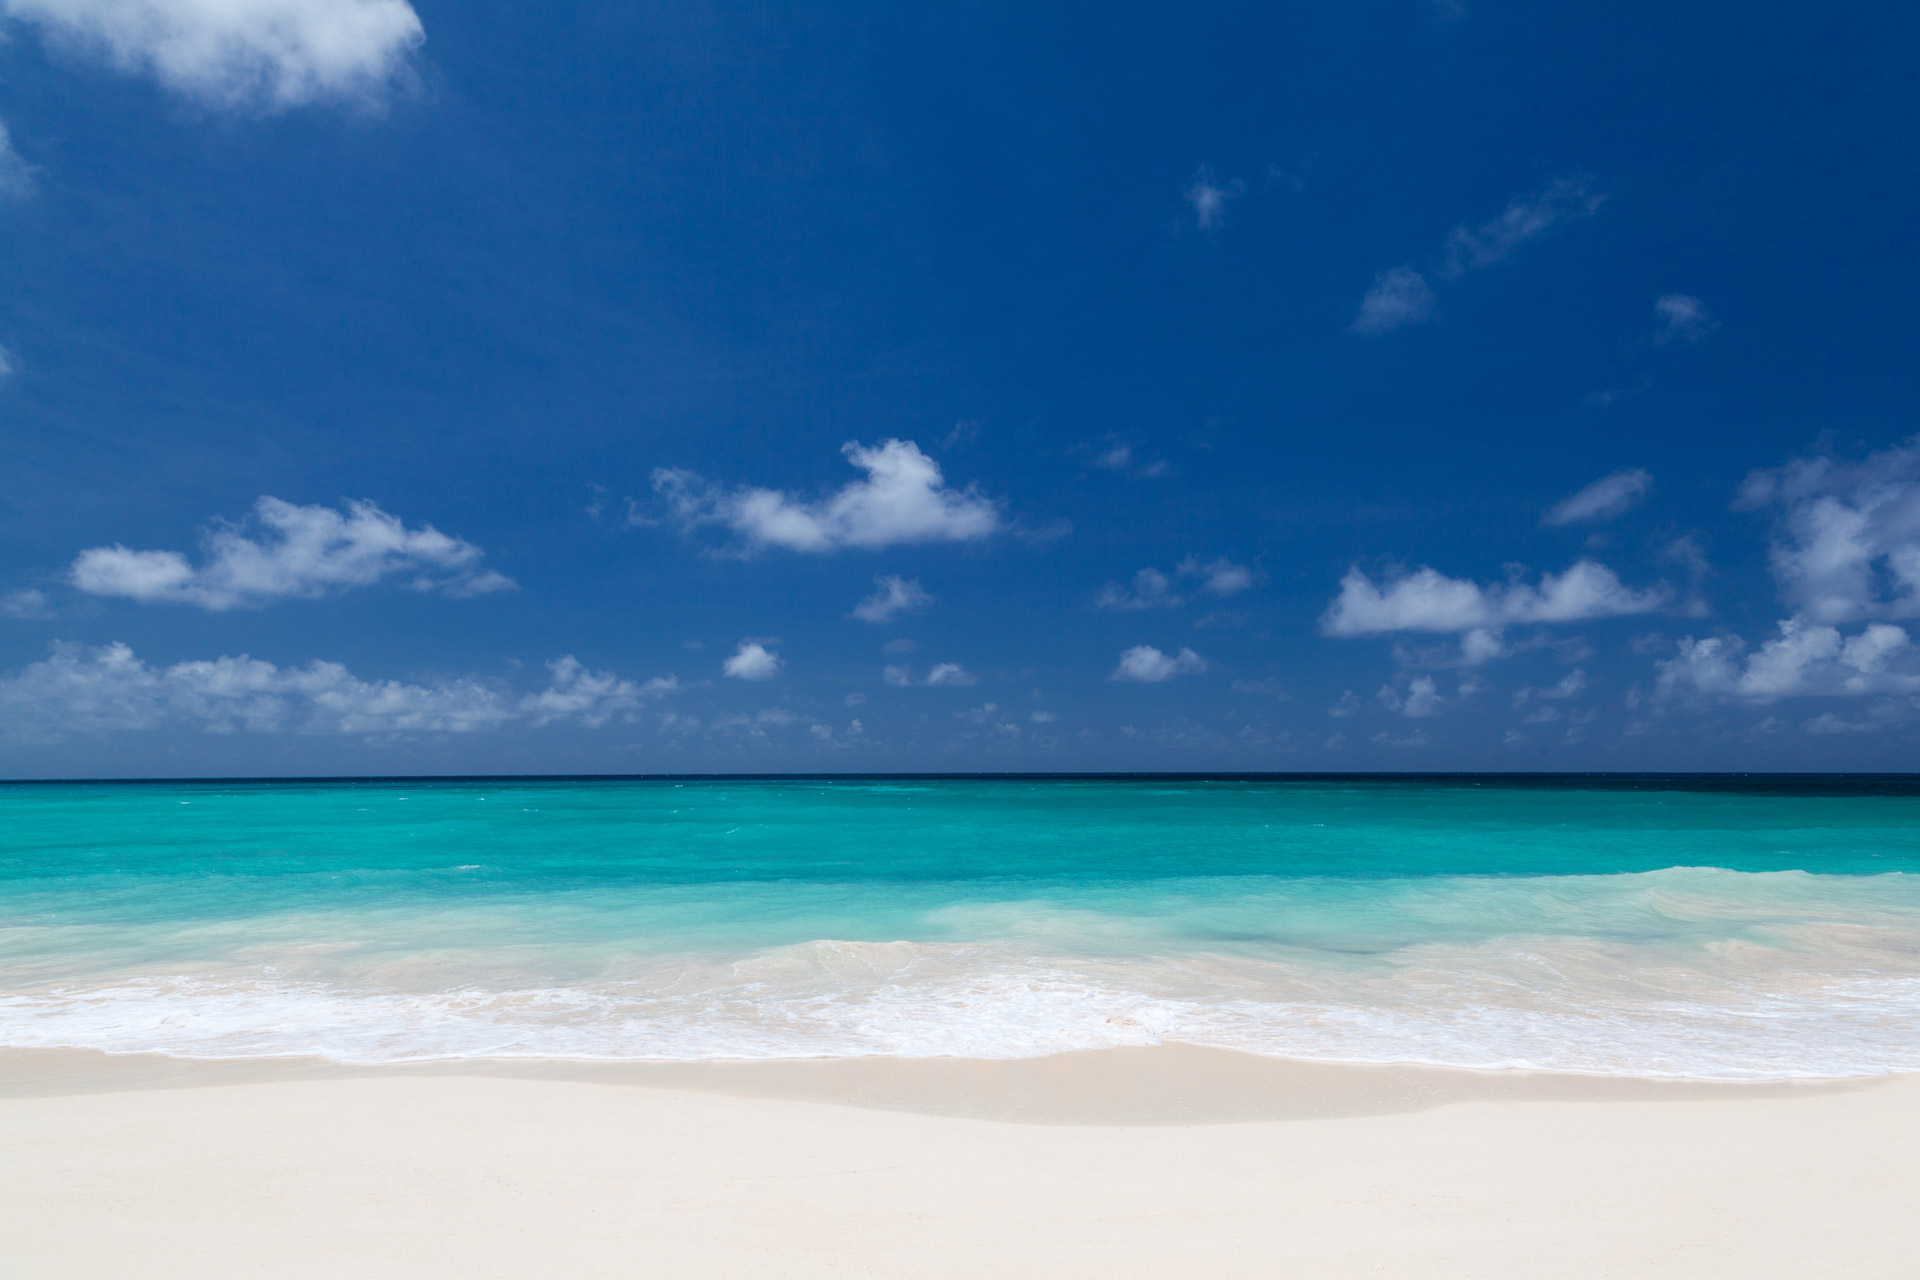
(1151, 1162)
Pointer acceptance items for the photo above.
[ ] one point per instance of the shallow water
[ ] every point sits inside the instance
(1735, 929)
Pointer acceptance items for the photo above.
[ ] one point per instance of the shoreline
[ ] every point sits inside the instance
(1168, 1084)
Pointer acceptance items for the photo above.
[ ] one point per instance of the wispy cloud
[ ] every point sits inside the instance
(1122, 458)
(1525, 218)
(16, 175)
(1682, 318)
(1209, 198)
(1402, 296)
(252, 54)
(1609, 496)
(298, 553)
(903, 499)
(1151, 589)
(26, 604)
(1399, 297)
(896, 596)
(941, 674)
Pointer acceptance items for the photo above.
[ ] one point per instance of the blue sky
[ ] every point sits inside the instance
(628, 388)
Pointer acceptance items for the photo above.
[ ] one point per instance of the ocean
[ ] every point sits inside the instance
(1707, 927)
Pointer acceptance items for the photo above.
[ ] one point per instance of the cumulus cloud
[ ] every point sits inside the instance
(1609, 496)
(1152, 589)
(1421, 699)
(1683, 318)
(299, 552)
(896, 596)
(1804, 659)
(87, 689)
(1525, 218)
(1209, 198)
(752, 661)
(253, 54)
(1846, 542)
(1427, 600)
(1399, 297)
(1144, 664)
(1402, 295)
(591, 697)
(903, 499)
(1219, 578)
(16, 175)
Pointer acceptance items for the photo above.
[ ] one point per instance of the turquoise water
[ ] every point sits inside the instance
(1674, 927)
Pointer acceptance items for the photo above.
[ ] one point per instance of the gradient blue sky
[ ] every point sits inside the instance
(633, 387)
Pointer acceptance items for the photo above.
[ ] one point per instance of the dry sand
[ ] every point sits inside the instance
(1154, 1162)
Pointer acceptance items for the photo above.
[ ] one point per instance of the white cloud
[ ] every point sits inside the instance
(1426, 600)
(1153, 589)
(1611, 495)
(1570, 685)
(1683, 318)
(591, 697)
(1525, 218)
(752, 661)
(1209, 198)
(947, 674)
(1829, 723)
(1421, 699)
(1122, 458)
(1145, 664)
(1481, 645)
(264, 54)
(305, 552)
(26, 604)
(1847, 534)
(897, 595)
(1402, 296)
(84, 689)
(902, 500)
(1220, 578)
(16, 180)
(1804, 659)
(1399, 297)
